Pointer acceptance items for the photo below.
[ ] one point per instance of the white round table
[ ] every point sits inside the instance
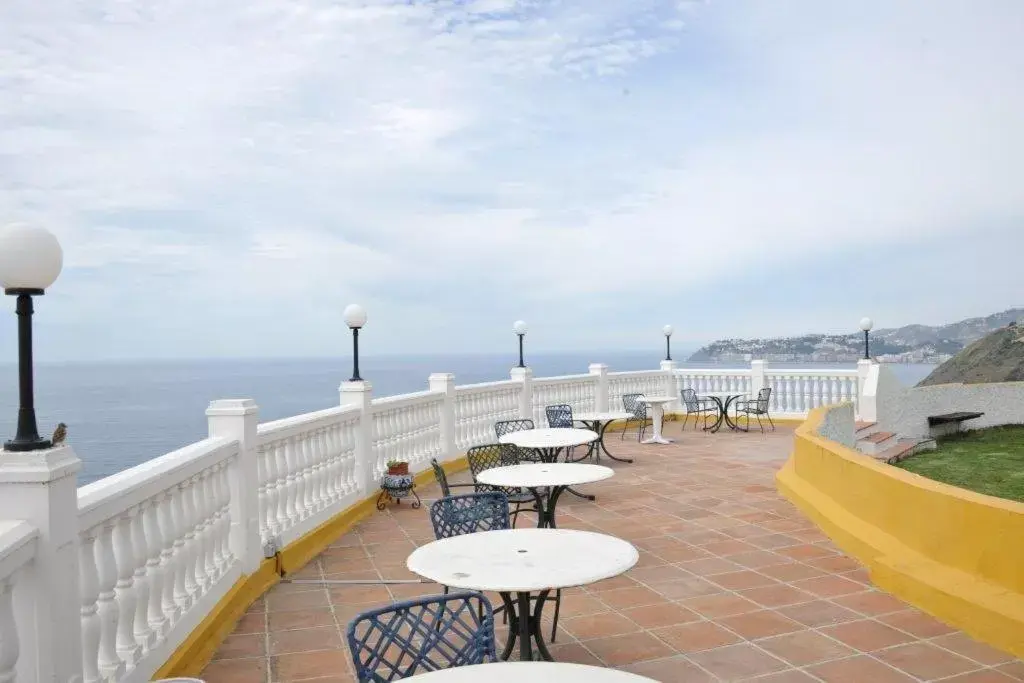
(657, 404)
(548, 443)
(559, 476)
(534, 672)
(598, 422)
(523, 561)
(723, 399)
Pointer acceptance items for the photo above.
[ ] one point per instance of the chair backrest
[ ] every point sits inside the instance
(469, 513)
(763, 397)
(441, 477)
(423, 634)
(508, 426)
(490, 455)
(690, 400)
(632, 404)
(559, 416)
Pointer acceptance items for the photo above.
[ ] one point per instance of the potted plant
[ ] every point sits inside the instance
(398, 467)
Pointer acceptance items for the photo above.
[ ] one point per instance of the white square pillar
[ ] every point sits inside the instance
(41, 487)
(360, 395)
(444, 382)
(601, 389)
(524, 376)
(237, 419)
(668, 367)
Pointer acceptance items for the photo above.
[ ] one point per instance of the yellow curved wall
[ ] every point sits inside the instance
(955, 554)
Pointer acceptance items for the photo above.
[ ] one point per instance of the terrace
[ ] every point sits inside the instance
(733, 583)
(173, 567)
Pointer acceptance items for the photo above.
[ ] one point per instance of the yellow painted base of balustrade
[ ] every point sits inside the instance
(195, 653)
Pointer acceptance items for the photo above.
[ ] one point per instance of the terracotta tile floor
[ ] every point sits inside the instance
(732, 584)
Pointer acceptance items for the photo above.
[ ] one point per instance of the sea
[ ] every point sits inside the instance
(120, 414)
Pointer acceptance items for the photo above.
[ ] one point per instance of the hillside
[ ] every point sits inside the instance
(999, 357)
(908, 344)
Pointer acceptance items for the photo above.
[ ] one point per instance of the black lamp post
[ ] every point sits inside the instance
(667, 330)
(355, 318)
(866, 325)
(520, 329)
(30, 261)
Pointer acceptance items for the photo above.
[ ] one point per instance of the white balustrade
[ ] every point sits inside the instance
(578, 391)
(797, 392)
(478, 407)
(649, 382)
(17, 551)
(151, 558)
(159, 544)
(306, 471)
(408, 428)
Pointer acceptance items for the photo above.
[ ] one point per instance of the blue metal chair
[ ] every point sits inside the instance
(559, 416)
(469, 513)
(487, 456)
(442, 479)
(424, 634)
(503, 427)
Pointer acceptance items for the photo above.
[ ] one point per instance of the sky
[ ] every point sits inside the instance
(225, 177)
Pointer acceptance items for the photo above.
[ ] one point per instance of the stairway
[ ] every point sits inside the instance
(888, 447)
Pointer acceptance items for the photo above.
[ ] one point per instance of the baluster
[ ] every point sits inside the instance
(805, 394)
(188, 532)
(837, 389)
(281, 485)
(211, 524)
(199, 540)
(110, 663)
(272, 525)
(261, 490)
(183, 584)
(124, 589)
(312, 467)
(332, 478)
(89, 592)
(170, 565)
(9, 645)
(319, 470)
(142, 632)
(295, 484)
(154, 540)
(227, 556)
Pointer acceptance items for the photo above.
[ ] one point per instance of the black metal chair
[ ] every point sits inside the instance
(485, 457)
(560, 417)
(442, 479)
(420, 635)
(638, 411)
(757, 408)
(698, 406)
(504, 427)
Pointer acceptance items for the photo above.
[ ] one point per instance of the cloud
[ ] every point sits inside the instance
(455, 165)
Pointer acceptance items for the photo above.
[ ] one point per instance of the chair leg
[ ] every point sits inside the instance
(768, 415)
(759, 423)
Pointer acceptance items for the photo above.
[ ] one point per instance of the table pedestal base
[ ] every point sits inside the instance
(723, 416)
(524, 626)
(658, 418)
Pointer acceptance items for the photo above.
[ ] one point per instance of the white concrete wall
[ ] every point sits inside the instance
(1002, 403)
(838, 425)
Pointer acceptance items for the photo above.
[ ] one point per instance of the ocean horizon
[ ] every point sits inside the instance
(123, 413)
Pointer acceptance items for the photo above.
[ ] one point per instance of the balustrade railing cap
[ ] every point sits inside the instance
(232, 406)
(356, 387)
(38, 467)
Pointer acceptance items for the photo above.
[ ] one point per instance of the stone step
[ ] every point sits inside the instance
(903, 449)
(863, 426)
(876, 442)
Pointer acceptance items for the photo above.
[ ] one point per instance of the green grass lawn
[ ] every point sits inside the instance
(989, 461)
